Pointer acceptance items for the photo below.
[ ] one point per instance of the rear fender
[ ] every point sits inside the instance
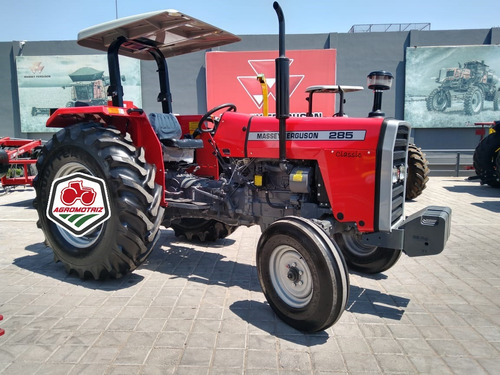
(130, 120)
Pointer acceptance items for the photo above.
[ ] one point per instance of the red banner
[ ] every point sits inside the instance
(232, 78)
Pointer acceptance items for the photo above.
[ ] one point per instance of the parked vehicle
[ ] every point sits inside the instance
(328, 193)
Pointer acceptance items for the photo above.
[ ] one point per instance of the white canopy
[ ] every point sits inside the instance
(172, 32)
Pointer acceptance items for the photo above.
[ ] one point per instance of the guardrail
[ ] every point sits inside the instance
(456, 163)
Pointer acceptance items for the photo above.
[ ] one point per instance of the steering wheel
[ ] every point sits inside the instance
(207, 117)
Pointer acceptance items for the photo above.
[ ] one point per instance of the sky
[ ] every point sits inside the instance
(45, 20)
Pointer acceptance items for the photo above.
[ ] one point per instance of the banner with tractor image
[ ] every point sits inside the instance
(452, 86)
(46, 82)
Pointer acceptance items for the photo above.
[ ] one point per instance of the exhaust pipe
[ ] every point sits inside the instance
(283, 84)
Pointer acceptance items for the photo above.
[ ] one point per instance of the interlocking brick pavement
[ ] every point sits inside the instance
(197, 308)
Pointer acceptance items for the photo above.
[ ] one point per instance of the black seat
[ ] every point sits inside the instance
(183, 143)
(168, 130)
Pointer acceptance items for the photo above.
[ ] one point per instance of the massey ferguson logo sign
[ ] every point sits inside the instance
(78, 203)
(232, 78)
(266, 67)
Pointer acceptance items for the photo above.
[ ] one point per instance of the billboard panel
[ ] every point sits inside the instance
(46, 82)
(452, 86)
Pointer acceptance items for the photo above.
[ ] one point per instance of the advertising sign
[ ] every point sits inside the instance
(452, 86)
(78, 203)
(46, 82)
(232, 77)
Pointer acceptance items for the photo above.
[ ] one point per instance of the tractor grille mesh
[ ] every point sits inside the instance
(399, 159)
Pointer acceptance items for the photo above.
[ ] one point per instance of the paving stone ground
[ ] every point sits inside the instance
(198, 309)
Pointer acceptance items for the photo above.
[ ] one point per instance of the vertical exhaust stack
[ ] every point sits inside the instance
(283, 85)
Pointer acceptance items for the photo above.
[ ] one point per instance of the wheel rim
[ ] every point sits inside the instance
(291, 276)
(476, 101)
(440, 100)
(90, 238)
(356, 247)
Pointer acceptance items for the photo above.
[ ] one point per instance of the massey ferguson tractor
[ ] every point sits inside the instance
(328, 193)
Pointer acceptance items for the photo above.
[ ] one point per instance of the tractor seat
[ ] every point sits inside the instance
(168, 130)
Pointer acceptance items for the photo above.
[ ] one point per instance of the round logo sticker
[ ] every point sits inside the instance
(79, 203)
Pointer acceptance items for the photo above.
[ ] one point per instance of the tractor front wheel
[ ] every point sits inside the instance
(121, 243)
(365, 258)
(302, 274)
(438, 100)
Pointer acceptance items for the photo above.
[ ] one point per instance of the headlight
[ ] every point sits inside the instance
(398, 174)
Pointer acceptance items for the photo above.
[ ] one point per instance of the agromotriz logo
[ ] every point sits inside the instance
(78, 203)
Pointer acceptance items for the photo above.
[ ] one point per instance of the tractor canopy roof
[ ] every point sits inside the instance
(172, 32)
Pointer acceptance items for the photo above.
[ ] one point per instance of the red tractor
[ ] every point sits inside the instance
(328, 193)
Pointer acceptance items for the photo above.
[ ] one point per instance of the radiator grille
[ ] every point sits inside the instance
(399, 163)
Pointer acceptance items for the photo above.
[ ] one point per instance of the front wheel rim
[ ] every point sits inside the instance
(476, 101)
(440, 100)
(291, 276)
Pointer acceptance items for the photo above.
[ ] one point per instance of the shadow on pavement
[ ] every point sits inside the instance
(373, 302)
(481, 191)
(41, 260)
(488, 205)
(261, 317)
(27, 203)
(211, 268)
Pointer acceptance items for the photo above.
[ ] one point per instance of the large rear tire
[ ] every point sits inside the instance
(473, 101)
(123, 242)
(496, 101)
(365, 258)
(418, 172)
(485, 154)
(302, 274)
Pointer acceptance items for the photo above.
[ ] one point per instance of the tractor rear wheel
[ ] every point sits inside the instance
(418, 172)
(365, 258)
(201, 229)
(473, 101)
(497, 163)
(486, 153)
(302, 274)
(496, 101)
(121, 243)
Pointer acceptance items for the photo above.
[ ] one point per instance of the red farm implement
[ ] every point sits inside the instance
(17, 160)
